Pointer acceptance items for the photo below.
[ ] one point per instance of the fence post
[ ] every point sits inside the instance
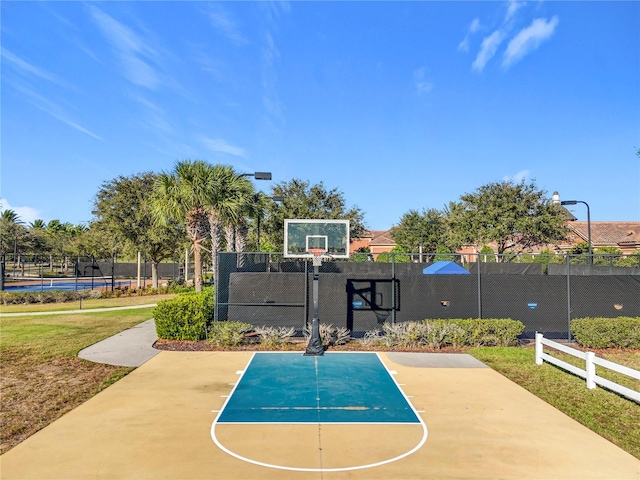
(591, 370)
(393, 288)
(479, 287)
(538, 348)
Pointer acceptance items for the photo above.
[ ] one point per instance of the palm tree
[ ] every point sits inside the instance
(38, 224)
(230, 194)
(184, 195)
(11, 216)
(12, 233)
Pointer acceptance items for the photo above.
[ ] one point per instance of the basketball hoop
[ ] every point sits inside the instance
(317, 255)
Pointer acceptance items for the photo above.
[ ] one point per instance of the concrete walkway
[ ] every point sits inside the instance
(129, 348)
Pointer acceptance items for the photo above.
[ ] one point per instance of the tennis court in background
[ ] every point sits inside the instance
(81, 283)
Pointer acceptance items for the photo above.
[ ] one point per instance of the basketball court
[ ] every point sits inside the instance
(193, 415)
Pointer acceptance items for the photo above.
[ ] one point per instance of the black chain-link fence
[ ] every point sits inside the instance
(543, 292)
(29, 272)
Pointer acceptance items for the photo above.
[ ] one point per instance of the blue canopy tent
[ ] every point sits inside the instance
(443, 267)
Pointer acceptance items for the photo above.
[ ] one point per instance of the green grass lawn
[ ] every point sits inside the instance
(41, 376)
(606, 413)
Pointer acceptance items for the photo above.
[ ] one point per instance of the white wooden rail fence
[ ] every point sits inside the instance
(589, 372)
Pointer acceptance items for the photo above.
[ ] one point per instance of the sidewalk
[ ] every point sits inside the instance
(129, 348)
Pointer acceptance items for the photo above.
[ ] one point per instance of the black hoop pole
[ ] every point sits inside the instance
(315, 347)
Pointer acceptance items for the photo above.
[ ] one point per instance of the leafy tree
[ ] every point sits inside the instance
(395, 255)
(443, 253)
(578, 254)
(122, 207)
(606, 255)
(579, 249)
(632, 260)
(38, 237)
(514, 216)
(60, 237)
(305, 201)
(183, 196)
(13, 235)
(487, 255)
(420, 232)
(99, 242)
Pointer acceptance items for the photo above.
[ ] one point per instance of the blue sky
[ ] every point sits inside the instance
(399, 105)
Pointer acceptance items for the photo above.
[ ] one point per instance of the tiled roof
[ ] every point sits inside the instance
(608, 233)
(382, 237)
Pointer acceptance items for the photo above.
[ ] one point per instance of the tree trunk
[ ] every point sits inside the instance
(230, 235)
(241, 242)
(241, 237)
(197, 266)
(215, 233)
(154, 274)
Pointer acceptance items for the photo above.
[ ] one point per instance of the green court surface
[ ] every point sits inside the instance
(334, 388)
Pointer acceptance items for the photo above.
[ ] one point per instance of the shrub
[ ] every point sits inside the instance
(456, 332)
(228, 334)
(271, 337)
(47, 296)
(620, 332)
(405, 334)
(371, 338)
(185, 317)
(329, 334)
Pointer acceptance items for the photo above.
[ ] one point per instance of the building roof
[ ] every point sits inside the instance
(620, 234)
(382, 237)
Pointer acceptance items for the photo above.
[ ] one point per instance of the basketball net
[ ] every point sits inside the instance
(317, 256)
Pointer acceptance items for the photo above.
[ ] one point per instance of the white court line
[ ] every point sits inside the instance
(298, 469)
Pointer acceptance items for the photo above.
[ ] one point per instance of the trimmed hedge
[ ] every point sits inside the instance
(47, 296)
(619, 332)
(185, 317)
(61, 296)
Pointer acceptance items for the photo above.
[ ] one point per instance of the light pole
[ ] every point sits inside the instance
(556, 201)
(257, 175)
(275, 198)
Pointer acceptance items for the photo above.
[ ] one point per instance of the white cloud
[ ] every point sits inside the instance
(475, 25)
(221, 146)
(512, 8)
(25, 67)
(488, 50)
(25, 214)
(463, 46)
(52, 109)
(423, 85)
(270, 98)
(518, 177)
(226, 25)
(528, 39)
(130, 48)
